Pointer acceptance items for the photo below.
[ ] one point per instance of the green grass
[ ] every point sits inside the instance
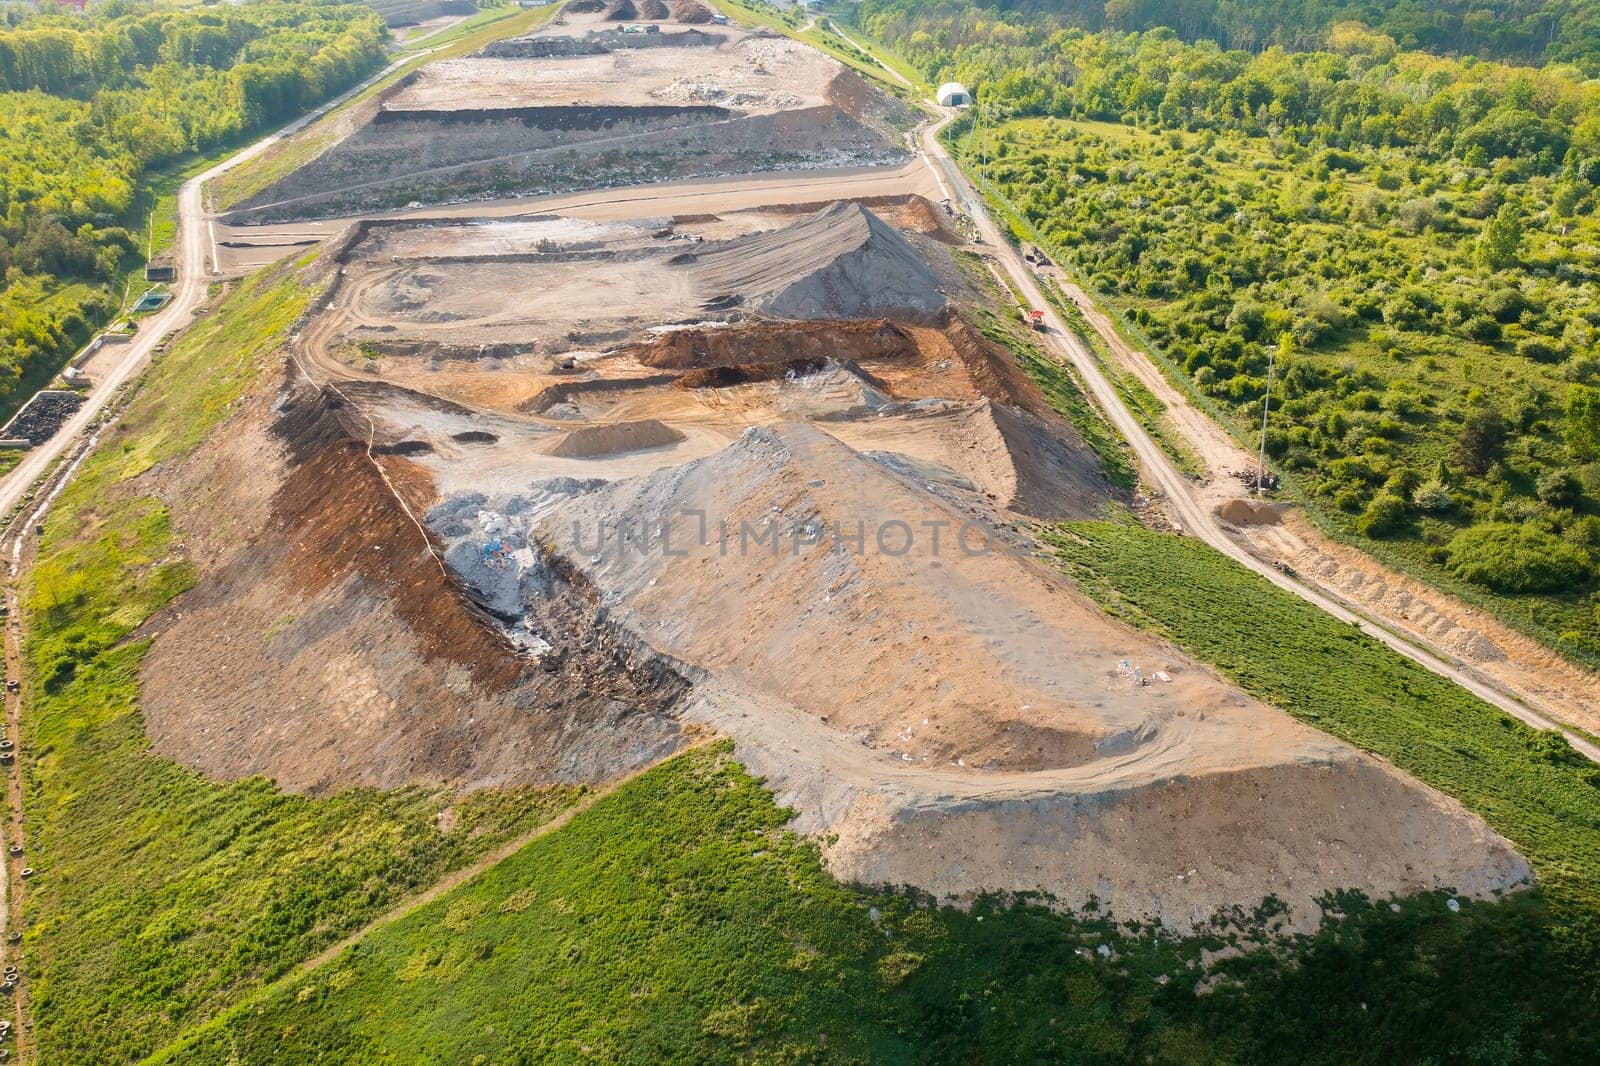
(1528, 784)
(677, 921)
(161, 896)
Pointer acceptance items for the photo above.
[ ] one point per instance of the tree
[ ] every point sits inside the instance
(1501, 240)
(1481, 441)
(1583, 423)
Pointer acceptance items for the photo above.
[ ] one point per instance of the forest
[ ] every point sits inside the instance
(1412, 237)
(1523, 30)
(91, 105)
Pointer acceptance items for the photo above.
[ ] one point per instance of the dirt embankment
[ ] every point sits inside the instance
(549, 113)
(859, 341)
(325, 645)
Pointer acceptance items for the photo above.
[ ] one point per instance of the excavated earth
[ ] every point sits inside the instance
(535, 497)
(585, 103)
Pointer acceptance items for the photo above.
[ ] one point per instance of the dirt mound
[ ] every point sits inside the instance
(841, 262)
(691, 11)
(594, 442)
(1250, 513)
(324, 645)
(1054, 480)
(654, 9)
(975, 724)
(869, 341)
(621, 11)
(920, 214)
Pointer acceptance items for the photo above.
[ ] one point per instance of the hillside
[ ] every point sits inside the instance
(1517, 30)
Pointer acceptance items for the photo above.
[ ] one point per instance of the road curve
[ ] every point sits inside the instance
(188, 292)
(1182, 504)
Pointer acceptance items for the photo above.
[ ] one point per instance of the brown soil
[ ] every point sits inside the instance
(594, 442)
(621, 11)
(861, 341)
(1250, 512)
(654, 9)
(324, 646)
(920, 214)
(691, 11)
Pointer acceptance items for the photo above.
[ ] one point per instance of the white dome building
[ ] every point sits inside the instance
(954, 94)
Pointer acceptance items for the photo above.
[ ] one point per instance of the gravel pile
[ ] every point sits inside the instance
(43, 415)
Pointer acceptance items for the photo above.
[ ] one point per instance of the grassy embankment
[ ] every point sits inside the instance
(1529, 784)
(161, 896)
(677, 921)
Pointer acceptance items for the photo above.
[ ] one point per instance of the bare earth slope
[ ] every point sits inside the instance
(962, 721)
(540, 495)
(566, 109)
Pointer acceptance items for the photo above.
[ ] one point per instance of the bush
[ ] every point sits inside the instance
(1481, 441)
(1538, 350)
(1517, 558)
(1383, 516)
(1433, 497)
(1559, 488)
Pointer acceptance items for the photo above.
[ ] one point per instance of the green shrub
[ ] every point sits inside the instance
(1433, 497)
(1517, 559)
(1559, 488)
(1383, 516)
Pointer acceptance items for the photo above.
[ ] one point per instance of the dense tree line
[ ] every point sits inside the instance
(87, 105)
(1421, 230)
(1523, 30)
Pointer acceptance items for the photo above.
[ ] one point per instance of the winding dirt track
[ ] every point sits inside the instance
(1183, 504)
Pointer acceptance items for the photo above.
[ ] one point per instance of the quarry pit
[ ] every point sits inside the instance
(538, 496)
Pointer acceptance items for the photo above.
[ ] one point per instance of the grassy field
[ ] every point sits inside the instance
(677, 921)
(162, 896)
(1529, 784)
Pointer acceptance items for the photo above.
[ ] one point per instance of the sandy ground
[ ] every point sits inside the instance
(755, 73)
(741, 204)
(958, 719)
(568, 109)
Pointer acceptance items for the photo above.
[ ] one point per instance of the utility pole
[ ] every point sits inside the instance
(1266, 406)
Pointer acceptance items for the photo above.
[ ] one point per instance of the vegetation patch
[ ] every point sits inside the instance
(91, 105)
(1528, 784)
(677, 921)
(161, 896)
(1424, 229)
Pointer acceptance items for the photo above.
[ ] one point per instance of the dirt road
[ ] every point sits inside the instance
(196, 249)
(1183, 503)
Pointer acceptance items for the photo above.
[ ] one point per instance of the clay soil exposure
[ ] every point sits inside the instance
(492, 550)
